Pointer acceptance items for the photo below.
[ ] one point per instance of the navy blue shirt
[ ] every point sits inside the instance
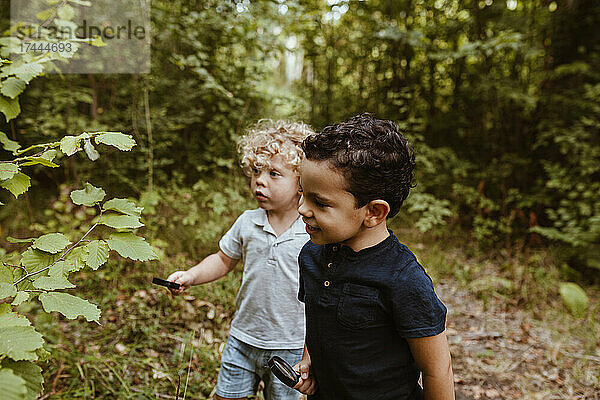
(360, 308)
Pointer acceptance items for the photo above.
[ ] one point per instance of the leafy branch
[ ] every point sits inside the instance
(18, 371)
(63, 256)
(14, 180)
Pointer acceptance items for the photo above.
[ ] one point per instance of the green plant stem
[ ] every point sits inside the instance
(28, 158)
(119, 377)
(45, 146)
(189, 364)
(62, 257)
(104, 380)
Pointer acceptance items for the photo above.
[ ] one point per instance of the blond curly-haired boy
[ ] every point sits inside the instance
(269, 319)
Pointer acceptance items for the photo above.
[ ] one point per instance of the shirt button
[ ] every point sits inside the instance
(329, 265)
(334, 248)
(326, 283)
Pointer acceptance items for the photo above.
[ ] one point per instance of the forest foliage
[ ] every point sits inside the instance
(501, 100)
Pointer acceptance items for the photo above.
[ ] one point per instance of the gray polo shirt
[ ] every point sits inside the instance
(268, 315)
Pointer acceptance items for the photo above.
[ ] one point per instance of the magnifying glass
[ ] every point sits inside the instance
(283, 371)
(163, 282)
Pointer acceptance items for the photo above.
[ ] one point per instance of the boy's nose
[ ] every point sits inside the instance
(302, 209)
(260, 179)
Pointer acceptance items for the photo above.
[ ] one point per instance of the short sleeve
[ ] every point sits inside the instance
(417, 310)
(231, 243)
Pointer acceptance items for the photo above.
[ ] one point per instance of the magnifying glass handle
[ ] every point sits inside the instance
(163, 282)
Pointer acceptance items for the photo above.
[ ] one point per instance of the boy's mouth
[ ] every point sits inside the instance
(311, 228)
(260, 196)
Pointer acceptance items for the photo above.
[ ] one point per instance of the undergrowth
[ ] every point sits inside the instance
(150, 344)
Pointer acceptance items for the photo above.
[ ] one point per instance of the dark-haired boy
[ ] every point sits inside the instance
(373, 320)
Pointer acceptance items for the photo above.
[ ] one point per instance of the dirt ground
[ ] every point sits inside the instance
(502, 352)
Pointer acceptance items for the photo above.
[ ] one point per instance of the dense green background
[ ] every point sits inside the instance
(502, 104)
(501, 100)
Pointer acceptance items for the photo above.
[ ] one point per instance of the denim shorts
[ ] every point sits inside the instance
(243, 367)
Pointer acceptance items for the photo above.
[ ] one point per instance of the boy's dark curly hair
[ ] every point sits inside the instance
(376, 160)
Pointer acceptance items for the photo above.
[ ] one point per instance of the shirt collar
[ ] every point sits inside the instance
(347, 252)
(262, 219)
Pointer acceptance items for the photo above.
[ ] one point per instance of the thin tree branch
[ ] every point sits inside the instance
(62, 257)
(15, 266)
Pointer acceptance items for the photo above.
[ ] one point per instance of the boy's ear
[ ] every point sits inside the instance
(377, 211)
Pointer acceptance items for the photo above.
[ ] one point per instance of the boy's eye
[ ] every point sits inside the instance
(319, 204)
(255, 171)
(275, 173)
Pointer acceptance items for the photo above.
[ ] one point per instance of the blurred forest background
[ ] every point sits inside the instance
(501, 99)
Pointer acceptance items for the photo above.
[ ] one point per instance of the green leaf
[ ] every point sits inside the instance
(13, 386)
(9, 145)
(34, 260)
(88, 196)
(85, 3)
(30, 373)
(16, 240)
(97, 253)
(85, 135)
(8, 170)
(119, 221)
(7, 290)
(17, 185)
(12, 87)
(20, 298)
(52, 283)
(25, 72)
(8, 45)
(97, 41)
(69, 306)
(44, 15)
(575, 298)
(20, 342)
(51, 243)
(49, 154)
(6, 274)
(63, 23)
(43, 354)
(69, 145)
(39, 160)
(60, 268)
(13, 319)
(90, 150)
(75, 260)
(119, 140)
(124, 206)
(131, 246)
(66, 12)
(9, 107)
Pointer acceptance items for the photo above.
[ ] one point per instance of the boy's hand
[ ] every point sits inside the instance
(181, 277)
(307, 384)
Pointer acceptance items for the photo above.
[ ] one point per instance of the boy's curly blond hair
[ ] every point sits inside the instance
(268, 138)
